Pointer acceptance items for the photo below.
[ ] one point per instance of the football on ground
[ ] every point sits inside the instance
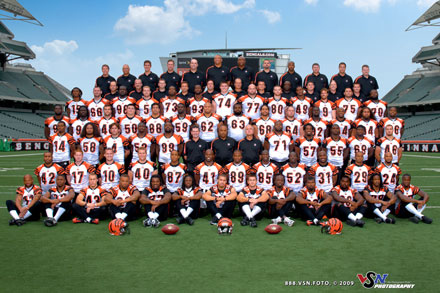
(273, 229)
(170, 229)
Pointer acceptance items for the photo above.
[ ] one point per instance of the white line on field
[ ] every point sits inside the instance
(22, 155)
(421, 156)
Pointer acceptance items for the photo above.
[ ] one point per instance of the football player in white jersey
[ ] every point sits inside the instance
(172, 172)
(182, 122)
(279, 144)
(379, 199)
(141, 170)
(97, 104)
(89, 204)
(61, 145)
(208, 122)
(187, 200)
(122, 198)
(26, 205)
(252, 201)
(281, 200)
(224, 101)
(409, 205)
(390, 144)
(237, 123)
(77, 125)
(252, 102)
(47, 173)
(349, 204)
(72, 106)
(50, 124)
(155, 200)
(58, 200)
(143, 139)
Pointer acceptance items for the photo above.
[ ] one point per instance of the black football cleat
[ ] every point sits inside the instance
(189, 221)
(12, 222)
(378, 220)
(390, 221)
(50, 222)
(253, 223)
(360, 223)
(180, 220)
(426, 220)
(244, 221)
(414, 219)
(214, 221)
(351, 222)
(20, 222)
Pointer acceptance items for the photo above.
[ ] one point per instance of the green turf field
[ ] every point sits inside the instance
(85, 258)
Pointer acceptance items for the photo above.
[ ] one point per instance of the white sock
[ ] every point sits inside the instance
(255, 211)
(49, 213)
(379, 214)
(359, 216)
(218, 215)
(155, 215)
(412, 209)
(315, 221)
(352, 217)
(386, 212)
(150, 215)
(14, 214)
(59, 213)
(123, 216)
(28, 214)
(118, 215)
(88, 220)
(247, 211)
(184, 214)
(422, 209)
(189, 210)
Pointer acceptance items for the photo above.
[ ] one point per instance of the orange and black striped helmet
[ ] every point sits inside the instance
(118, 227)
(333, 227)
(225, 226)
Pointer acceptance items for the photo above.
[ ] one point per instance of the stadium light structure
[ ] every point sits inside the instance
(18, 12)
(429, 18)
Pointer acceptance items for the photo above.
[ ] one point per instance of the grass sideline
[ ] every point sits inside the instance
(86, 258)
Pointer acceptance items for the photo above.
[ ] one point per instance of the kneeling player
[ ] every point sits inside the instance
(155, 200)
(89, 204)
(122, 199)
(187, 200)
(59, 200)
(280, 201)
(408, 205)
(252, 201)
(27, 203)
(349, 204)
(220, 199)
(313, 202)
(379, 199)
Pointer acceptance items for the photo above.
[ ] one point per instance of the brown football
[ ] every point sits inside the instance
(170, 229)
(273, 229)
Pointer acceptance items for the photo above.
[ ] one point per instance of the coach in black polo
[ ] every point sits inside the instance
(194, 76)
(126, 79)
(292, 76)
(242, 72)
(103, 82)
(223, 146)
(194, 149)
(148, 77)
(367, 81)
(250, 147)
(269, 77)
(171, 77)
(320, 80)
(342, 79)
(217, 72)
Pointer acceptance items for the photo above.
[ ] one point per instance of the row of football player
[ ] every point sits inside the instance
(312, 203)
(222, 105)
(238, 77)
(115, 151)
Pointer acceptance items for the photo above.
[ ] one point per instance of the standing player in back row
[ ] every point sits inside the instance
(73, 105)
(350, 104)
(251, 103)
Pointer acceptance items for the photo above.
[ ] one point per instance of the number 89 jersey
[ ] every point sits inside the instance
(237, 175)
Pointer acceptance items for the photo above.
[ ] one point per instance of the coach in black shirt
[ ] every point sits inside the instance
(250, 147)
(210, 92)
(223, 146)
(103, 82)
(171, 77)
(269, 77)
(126, 79)
(320, 80)
(293, 77)
(194, 76)
(113, 93)
(148, 77)
(217, 72)
(242, 72)
(194, 149)
(367, 81)
(342, 79)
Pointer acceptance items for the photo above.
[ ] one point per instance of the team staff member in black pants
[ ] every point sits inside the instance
(194, 149)
(223, 146)
(250, 147)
